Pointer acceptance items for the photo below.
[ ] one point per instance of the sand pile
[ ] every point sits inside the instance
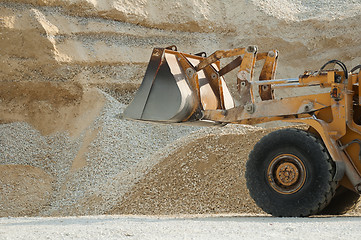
(24, 190)
(106, 168)
(95, 172)
(68, 69)
(203, 175)
(90, 168)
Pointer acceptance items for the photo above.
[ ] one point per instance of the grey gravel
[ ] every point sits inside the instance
(115, 159)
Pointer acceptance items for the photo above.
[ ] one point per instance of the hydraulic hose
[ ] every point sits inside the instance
(338, 62)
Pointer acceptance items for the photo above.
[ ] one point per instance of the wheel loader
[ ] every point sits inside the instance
(291, 172)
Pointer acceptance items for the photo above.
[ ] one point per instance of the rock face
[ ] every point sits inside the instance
(108, 43)
(67, 67)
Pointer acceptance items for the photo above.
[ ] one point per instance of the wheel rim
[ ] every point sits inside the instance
(286, 174)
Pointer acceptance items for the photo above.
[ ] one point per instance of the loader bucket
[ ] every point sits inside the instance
(171, 90)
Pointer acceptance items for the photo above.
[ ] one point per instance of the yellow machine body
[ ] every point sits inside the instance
(185, 88)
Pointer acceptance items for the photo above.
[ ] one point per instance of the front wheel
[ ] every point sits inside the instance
(290, 173)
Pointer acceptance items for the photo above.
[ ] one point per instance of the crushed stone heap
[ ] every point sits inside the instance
(95, 172)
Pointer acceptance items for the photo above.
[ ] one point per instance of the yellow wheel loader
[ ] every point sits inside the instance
(290, 172)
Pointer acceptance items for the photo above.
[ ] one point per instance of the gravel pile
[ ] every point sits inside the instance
(203, 174)
(106, 167)
(93, 171)
(115, 160)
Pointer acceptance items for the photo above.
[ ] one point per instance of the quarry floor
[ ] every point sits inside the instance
(180, 227)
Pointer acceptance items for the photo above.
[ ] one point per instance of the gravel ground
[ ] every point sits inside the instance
(181, 227)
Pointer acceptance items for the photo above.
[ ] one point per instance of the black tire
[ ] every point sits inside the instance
(343, 201)
(290, 174)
